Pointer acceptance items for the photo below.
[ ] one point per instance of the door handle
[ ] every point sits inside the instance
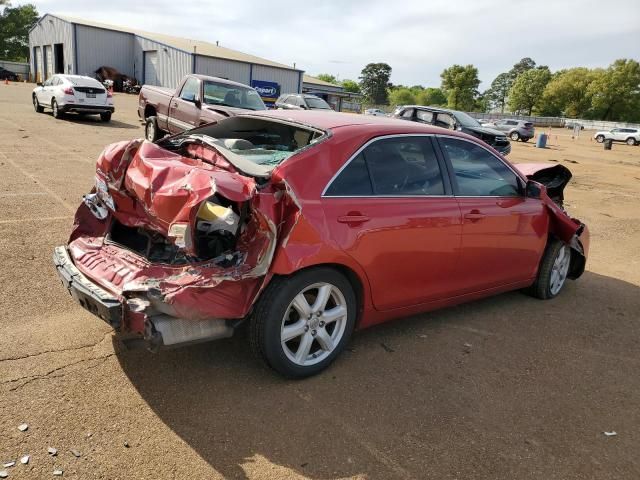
(474, 215)
(353, 219)
(175, 105)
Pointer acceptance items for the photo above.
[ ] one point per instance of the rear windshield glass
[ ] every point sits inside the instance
(264, 142)
(232, 96)
(318, 103)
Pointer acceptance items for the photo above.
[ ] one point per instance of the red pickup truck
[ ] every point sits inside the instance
(199, 99)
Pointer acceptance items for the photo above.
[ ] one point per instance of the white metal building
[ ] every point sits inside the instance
(60, 44)
(333, 94)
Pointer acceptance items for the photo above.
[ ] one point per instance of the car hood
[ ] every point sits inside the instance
(487, 131)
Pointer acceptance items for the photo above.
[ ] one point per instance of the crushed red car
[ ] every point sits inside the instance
(309, 225)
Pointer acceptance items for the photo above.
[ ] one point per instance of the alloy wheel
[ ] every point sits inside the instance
(313, 324)
(560, 269)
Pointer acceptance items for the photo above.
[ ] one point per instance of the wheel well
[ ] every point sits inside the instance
(149, 111)
(353, 279)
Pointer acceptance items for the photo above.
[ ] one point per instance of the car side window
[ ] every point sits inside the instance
(445, 120)
(353, 180)
(479, 173)
(408, 113)
(190, 89)
(404, 166)
(423, 116)
(48, 83)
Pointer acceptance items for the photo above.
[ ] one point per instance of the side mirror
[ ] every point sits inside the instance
(304, 107)
(198, 103)
(532, 190)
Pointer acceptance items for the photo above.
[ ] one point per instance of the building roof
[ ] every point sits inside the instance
(316, 81)
(187, 45)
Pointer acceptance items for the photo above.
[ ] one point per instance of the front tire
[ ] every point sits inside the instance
(552, 272)
(600, 138)
(515, 136)
(301, 323)
(105, 116)
(55, 109)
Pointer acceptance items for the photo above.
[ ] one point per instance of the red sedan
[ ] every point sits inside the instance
(309, 225)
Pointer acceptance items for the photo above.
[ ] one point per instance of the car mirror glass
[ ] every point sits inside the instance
(533, 189)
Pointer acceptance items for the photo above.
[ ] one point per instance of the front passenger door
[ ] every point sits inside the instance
(503, 231)
(184, 112)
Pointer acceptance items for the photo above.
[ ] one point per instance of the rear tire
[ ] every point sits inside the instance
(631, 141)
(151, 130)
(552, 272)
(36, 105)
(600, 138)
(525, 139)
(105, 116)
(290, 315)
(56, 110)
(515, 136)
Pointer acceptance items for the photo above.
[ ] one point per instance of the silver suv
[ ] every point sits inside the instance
(299, 101)
(516, 129)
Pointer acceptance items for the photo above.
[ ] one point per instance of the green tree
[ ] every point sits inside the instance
(461, 86)
(498, 93)
(522, 66)
(374, 82)
(526, 92)
(15, 23)
(326, 77)
(568, 93)
(401, 96)
(351, 86)
(615, 92)
(431, 96)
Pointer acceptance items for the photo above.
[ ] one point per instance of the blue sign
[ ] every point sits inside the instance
(269, 91)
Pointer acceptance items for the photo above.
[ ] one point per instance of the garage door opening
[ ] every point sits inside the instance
(58, 53)
(150, 67)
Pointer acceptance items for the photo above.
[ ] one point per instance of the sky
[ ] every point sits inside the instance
(417, 38)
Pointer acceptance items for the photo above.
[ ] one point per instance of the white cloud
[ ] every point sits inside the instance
(418, 38)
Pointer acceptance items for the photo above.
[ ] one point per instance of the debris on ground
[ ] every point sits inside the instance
(76, 453)
(3, 474)
(58, 473)
(23, 428)
(467, 347)
(9, 464)
(126, 444)
(610, 434)
(25, 460)
(421, 335)
(387, 348)
(52, 451)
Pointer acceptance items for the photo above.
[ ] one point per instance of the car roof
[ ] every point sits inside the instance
(80, 80)
(431, 109)
(322, 120)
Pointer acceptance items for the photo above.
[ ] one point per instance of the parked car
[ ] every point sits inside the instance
(301, 101)
(376, 112)
(516, 129)
(630, 136)
(184, 239)
(455, 120)
(73, 93)
(572, 125)
(8, 75)
(198, 100)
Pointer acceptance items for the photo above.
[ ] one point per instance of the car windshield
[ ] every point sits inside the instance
(232, 96)
(466, 120)
(254, 145)
(317, 103)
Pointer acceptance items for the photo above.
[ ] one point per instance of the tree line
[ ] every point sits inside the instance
(611, 93)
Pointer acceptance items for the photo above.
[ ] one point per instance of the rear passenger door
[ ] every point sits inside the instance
(391, 208)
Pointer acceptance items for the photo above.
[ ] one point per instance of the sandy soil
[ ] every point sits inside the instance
(530, 398)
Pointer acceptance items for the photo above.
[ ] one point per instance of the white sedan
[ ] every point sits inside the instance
(376, 112)
(73, 93)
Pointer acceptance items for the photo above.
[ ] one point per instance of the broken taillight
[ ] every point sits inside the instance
(68, 91)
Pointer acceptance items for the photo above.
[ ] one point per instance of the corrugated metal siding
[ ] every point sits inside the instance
(49, 31)
(98, 48)
(218, 67)
(172, 65)
(288, 79)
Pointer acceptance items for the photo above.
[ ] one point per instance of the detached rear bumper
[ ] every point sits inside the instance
(89, 295)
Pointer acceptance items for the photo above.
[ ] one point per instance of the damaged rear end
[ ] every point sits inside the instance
(175, 241)
(548, 183)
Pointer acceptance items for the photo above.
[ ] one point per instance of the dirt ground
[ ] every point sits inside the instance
(529, 398)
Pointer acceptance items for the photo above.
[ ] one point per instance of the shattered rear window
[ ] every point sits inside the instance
(264, 142)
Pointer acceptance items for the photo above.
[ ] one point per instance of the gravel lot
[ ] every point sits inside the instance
(529, 396)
